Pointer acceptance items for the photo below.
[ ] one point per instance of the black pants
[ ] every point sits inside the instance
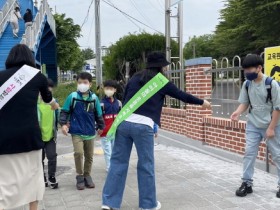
(49, 150)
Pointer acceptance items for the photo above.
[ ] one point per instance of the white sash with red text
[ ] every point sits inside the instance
(15, 83)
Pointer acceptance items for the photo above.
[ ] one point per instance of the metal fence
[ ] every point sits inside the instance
(227, 80)
(177, 76)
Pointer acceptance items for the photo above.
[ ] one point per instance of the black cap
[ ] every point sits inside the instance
(156, 59)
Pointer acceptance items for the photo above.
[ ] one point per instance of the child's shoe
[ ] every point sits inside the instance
(80, 182)
(88, 182)
(53, 182)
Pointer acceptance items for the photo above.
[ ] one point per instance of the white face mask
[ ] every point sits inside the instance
(83, 88)
(109, 93)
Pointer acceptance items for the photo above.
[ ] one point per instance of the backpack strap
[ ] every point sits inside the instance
(248, 82)
(268, 87)
(120, 105)
(102, 108)
(75, 99)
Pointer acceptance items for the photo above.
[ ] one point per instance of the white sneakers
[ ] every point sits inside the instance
(104, 207)
(157, 208)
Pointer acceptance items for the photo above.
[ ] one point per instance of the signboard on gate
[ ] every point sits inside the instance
(272, 62)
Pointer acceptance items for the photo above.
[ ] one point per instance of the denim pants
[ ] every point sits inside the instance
(107, 147)
(254, 137)
(143, 138)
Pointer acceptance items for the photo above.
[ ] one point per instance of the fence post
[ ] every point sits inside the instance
(198, 83)
(267, 159)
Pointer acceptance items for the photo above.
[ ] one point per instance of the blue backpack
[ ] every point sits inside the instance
(268, 86)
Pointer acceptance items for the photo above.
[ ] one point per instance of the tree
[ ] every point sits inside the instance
(248, 26)
(133, 48)
(88, 54)
(201, 46)
(69, 53)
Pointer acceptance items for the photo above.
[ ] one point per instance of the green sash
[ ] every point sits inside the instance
(145, 93)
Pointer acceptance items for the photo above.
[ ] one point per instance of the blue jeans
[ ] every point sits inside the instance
(107, 147)
(254, 137)
(143, 138)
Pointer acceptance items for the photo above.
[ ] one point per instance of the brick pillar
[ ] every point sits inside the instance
(198, 84)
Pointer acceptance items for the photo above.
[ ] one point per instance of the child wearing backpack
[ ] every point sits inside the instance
(261, 95)
(110, 108)
(48, 121)
(82, 110)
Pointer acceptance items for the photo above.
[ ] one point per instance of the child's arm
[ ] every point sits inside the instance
(99, 117)
(65, 114)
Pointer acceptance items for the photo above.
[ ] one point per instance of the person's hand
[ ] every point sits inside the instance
(65, 130)
(100, 132)
(270, 133)
(55, 106)
(206, 105)
(68, 124)
(235, 116)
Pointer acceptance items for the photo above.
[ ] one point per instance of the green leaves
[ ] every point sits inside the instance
(69, 53)
(133, 48)
(248, 26)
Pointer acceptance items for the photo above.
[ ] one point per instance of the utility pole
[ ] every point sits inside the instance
(98, 44)
(167, 30)
(180, 32)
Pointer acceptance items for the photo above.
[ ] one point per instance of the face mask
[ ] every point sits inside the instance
(109, 93)
(251, 76)
(83, 88)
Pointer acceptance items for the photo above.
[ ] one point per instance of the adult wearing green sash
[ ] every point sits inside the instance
(137, 129)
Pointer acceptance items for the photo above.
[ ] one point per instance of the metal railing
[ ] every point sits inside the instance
(227, 80)
(5, 14)
(33, 34)
(177, 76)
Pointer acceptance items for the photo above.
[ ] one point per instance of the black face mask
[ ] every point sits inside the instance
(251, 76)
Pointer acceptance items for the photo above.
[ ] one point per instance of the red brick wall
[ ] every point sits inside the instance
(227, 135)
(198, 84)
(198, 124)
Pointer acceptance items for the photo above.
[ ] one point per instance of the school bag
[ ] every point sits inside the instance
(90, 104)
(268, 86)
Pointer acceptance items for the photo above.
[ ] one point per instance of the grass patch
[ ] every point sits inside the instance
(64, 89)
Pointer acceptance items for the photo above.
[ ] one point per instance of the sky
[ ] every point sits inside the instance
(200, 17)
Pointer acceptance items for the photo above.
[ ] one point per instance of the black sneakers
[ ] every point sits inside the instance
(244, 190)
(53, 182)
(80, 182)
(88, 182)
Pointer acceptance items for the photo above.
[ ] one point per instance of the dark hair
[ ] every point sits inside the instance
(50, 83)
(29, 11)
(85, 76)
(17, 9)
(147, 74)
(20, 55)
(111, 83)
(252, 60)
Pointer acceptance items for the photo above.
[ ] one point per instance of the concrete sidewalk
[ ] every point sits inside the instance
(185, 180)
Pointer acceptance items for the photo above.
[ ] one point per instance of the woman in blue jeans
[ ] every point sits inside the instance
(138, 129)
